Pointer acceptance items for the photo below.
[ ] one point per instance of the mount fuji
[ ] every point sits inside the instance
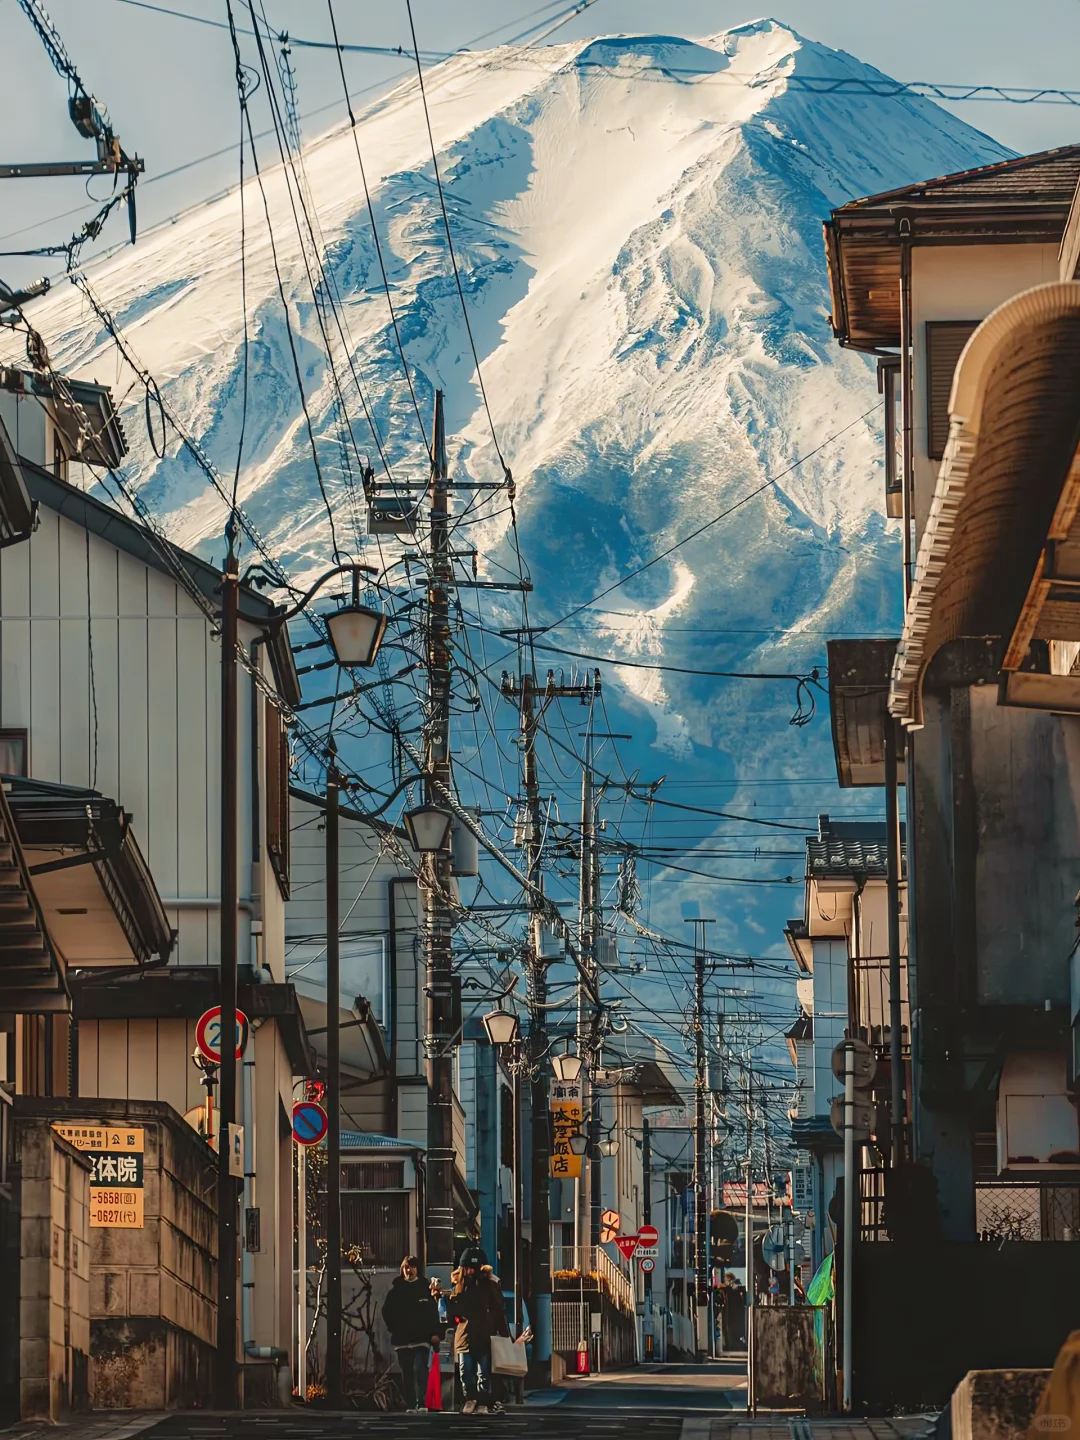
(637, 222)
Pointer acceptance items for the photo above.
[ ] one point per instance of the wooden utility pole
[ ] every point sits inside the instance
(701, 1159)
(227, 1191)
(333, 1089)
(435, 889)
(532, 703)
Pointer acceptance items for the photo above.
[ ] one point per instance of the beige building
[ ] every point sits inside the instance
(110, 750)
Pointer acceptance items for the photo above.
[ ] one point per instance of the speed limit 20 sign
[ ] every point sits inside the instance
(208, 1034)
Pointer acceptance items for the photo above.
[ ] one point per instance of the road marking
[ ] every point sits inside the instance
(696, 1427)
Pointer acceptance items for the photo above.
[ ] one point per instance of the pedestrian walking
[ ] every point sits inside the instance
(475, 1308)
(411, 1314)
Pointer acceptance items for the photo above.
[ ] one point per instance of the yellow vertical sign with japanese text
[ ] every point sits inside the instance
(565, 1122)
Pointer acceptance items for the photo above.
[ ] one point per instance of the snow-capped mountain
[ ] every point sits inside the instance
(637, 221)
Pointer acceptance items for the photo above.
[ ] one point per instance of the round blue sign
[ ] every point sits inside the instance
(310, 1122)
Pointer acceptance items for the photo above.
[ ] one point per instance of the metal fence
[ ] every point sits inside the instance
(1005, 1210)
(592, 1268)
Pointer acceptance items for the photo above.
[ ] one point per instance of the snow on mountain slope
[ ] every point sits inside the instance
(637, 221)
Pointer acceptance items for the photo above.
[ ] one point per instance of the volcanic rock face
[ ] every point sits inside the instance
(637, 221)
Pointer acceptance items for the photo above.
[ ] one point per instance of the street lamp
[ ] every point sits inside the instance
(609, 1147)
(355, 635)
(567, 1069)
(355, 631)
(428, 827)
(501, 1027)
(502, 1030)
(578, 1143)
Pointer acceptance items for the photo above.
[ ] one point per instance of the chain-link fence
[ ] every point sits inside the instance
(1006, 1211)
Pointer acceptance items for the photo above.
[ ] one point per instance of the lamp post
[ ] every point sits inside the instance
(355, 633)
(502, 1032)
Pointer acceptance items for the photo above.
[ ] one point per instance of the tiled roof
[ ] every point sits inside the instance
(849, 848)
(1047, 178)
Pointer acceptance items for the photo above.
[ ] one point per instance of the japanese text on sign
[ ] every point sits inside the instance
(101, 1137)
(116, 1209)
(565, 1123)
(116, 1173)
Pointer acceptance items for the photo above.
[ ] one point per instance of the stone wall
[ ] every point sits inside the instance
(54, 1299)
(152, 1301)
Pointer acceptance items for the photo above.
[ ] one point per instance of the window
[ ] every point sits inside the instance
(378, 1226)
(373, 1175)
(277, 796)
(945, 339)
(58, 461)
(13, 752)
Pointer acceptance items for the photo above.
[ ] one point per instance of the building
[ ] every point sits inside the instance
(840, 945)
(109, 737)
(964, 288)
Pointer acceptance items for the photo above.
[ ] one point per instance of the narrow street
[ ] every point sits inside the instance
(663, 1402)
(719, 1385)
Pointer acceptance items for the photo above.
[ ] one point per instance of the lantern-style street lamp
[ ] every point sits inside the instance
(428, 827)
(567, 1069)
(501, 1027)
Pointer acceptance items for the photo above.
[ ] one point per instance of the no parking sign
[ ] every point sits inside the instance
(310, 1122)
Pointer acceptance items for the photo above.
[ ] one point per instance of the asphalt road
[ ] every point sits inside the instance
(648, 1403)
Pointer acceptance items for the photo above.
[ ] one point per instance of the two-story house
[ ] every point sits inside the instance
(964, 288)
(110, 728)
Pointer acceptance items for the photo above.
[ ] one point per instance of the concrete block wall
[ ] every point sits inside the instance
(150, 1303)
(54, 1291)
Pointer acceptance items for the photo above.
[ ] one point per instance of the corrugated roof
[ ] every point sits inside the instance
(361, 1140)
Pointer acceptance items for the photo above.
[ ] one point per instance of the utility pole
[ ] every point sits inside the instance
(701, 1158)
(227, 1193)
(436, 885)
(751, 1287)
(532, 703)
(333, 1089)
(893, 853)
(649, 1344)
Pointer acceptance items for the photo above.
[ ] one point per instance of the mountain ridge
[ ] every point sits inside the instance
(639, 245)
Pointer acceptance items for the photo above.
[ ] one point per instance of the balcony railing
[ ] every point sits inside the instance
(870, 1003)
(588, 1267)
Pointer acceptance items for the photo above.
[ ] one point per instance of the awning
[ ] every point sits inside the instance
(16, 507)
(93, 886)
(858, 705)
(1000, 554)
(31, 972)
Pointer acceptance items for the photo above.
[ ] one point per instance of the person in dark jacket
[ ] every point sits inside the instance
(475, 1308)
(412, 1316)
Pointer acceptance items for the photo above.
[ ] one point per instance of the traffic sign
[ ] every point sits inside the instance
(648, 1235)
(645, 1252)
(648, 1265)
(610, 1221)
(865, 1063)
(627, 1244)
(774, 1250)
(862, 1116)
(208, 1034)
(310, 1122)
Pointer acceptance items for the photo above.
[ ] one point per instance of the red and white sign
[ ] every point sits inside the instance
(208, 1034)
(648, 1236)
(648, 1265)
(627, 1244)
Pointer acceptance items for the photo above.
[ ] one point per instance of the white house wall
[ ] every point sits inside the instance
(112, 670)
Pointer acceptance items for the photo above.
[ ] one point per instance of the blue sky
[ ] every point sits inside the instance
(168, 83)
